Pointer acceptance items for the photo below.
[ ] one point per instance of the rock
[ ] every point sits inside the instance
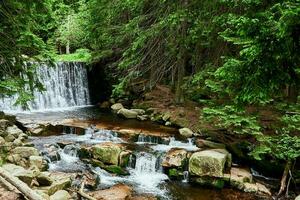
(129, 114)
(10, 138)
(207, 163)
(38, 161)
(210, 181)
(4, 123)
(124, 158)
(23, 174)
(44, 179)
(14, 130)
(108, 153)
(23, 136)
(17, 142)
(208, 144)
(60, 195)
(168, 123)
(14, 158)
(175, 158)
(2, 141)
(26, 152)
(43, 194)
(60, 181)
(186, 132)
(142, 117)
(228, 157)
(298, 197)
(105, 104)
(139, 111)
(117, 192)
(263, 189)
(6, 194)
(116, 107)
(240, 176)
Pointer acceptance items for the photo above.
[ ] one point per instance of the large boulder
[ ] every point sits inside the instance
(60, 181)
(186, 132)
(207, 163)
(37, 161)
(240, 176)
(117, 192)
(108, 153)
(116, 107)
(25, 152)
(23, 174)
(60, 195)
(129, 114)
(175, 158)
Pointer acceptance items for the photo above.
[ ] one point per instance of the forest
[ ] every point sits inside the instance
(229, 70)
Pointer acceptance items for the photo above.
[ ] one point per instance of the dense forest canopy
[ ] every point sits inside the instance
(226, 55)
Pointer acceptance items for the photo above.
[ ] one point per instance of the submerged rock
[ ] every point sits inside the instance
(108, 153)
(117, 192)
(175, 158)
(186, 132)
(129, 114)
(207, 163)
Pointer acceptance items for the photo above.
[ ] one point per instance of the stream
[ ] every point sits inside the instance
(65, 104)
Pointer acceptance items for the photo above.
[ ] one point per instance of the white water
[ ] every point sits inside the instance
(189, 146)
(66, 85)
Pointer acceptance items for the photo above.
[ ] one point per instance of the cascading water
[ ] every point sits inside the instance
(66, 85)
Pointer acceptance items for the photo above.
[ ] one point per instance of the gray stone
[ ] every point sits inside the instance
(2, 141)
(186, 132)
(129, 114)
(14, 158)
(10, 138)
(60, 195)
(37, 161)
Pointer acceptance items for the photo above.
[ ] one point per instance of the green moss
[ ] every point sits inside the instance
(116, 170)
(81, 55)
(210, 181)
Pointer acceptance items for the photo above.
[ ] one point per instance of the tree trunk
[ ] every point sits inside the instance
(68, 47)
(292, 93)
(21, 186)
(287, 168)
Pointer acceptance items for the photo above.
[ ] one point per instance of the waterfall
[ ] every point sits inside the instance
(66, 85)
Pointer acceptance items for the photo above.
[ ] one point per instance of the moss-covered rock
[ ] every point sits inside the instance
(175, 158)
(211, 182)
(108, 153)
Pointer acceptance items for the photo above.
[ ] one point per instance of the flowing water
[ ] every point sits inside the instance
(66, 88)
(66, 85)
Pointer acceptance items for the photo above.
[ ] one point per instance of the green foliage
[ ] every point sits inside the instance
(80, 55)
(283, 146)
(233, 119)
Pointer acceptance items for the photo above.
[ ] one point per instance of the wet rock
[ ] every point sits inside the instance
(129, 114)
(60, 195)
(207, 163)
(210, 181)
(26, 152)
(117, 192)
(186, 132)
(62, 144)
(139, 111)
(23, 174)
(14, 130)
(209, 144)
(44, 179)
(175, 158)
(23, 136)
(124, 158)
(142, 117)
(240, 176)
(116, 107)
(4, 123)
(108, 153)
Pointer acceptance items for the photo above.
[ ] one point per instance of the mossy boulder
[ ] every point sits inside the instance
(107, 153)
(175, 158)
(208, 163)
(211, 182)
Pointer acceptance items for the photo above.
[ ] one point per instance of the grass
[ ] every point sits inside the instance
(80, 55)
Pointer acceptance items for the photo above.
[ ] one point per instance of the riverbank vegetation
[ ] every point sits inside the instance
(237, 60)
